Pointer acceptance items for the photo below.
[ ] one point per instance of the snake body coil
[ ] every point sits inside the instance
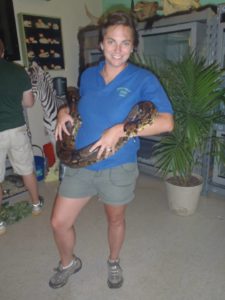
(141, 115)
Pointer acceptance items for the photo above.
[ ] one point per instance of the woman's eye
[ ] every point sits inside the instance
(110, 42)
(127, 44)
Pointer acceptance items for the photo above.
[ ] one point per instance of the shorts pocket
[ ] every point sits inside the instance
(124, 175)
(20, 137)
(70, 172)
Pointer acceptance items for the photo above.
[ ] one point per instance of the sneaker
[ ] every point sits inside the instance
(37, 208)
(2, 227)
(61, 276)
(115, 277)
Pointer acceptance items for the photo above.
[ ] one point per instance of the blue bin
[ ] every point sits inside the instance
(39, 167)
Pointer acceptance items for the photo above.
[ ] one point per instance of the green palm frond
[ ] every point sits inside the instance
(174, 156)
(194, 89)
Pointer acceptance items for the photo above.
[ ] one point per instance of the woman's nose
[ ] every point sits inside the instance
(118, 48)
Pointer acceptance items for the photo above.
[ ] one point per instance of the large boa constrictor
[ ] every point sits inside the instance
(141, 115)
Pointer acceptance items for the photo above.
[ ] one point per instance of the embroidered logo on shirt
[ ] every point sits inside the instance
(123, 92)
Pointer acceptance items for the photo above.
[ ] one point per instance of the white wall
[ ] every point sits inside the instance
(73, 16)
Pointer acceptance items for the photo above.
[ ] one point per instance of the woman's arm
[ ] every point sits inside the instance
(163, 122)
(62, 118)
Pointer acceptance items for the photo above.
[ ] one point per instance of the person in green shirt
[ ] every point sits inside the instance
(15, 95)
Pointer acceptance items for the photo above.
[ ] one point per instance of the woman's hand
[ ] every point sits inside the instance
(109, 139)
(63, 117)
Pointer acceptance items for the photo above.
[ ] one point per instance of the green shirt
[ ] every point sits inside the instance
(13, 82)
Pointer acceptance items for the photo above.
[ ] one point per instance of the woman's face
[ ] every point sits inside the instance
(117, 45)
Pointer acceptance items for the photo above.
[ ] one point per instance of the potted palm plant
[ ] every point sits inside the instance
(194, 89)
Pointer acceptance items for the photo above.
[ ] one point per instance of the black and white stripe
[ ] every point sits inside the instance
(42, 87)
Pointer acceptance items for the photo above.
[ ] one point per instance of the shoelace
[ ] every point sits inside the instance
(115, 272)
(59, 273)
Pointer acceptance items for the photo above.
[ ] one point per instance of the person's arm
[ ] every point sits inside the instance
(28, 99)
(163, 122)
(62, 118)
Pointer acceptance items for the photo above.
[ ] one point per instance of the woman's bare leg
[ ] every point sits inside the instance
(64, 215)
(116, 229)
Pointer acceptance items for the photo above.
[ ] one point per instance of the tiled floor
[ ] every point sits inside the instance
(165, 256)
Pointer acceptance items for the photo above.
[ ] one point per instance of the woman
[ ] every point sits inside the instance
(108, 93)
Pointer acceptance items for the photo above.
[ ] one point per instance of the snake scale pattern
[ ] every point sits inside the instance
(141, 115)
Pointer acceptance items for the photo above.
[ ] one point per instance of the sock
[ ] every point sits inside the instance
(111, 261)
(68, 266)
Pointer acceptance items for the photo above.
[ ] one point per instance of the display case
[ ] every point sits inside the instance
(219, 33)
(218, 175)
(146, 159)
(215, 171)
(89, 52)
(172, 42)
(42, 41)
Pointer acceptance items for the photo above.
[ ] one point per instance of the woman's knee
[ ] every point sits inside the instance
(57, 223)
(116, 218)
(115, 213)
(66, 211)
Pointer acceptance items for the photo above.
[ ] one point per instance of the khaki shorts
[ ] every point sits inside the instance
(114, 186)
(15, 144)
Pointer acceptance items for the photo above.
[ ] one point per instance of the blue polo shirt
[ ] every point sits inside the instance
(102, 106)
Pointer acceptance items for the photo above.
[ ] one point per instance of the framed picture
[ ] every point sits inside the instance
(42, 41)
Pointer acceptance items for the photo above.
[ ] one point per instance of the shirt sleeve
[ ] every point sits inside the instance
(154, 91)
(25, 80)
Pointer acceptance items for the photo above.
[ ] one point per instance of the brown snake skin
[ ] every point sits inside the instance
(141, 115)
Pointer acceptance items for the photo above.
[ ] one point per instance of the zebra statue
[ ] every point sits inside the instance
(42, 87)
